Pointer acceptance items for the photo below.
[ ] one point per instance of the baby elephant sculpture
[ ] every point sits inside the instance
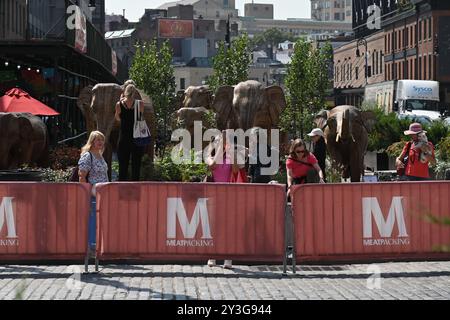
(23, 140)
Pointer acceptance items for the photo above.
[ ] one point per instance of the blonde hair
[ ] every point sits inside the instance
(130, 91)
(94, 135)
(127, 83)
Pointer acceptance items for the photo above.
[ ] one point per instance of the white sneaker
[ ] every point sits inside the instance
(228, 264)
(211, 263)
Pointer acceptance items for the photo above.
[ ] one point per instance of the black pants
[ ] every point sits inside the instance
(126, 149)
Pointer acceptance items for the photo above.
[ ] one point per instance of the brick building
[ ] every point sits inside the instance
(411, 44)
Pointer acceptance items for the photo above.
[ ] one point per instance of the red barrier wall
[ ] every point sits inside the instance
(43, 221)
(233, 221)
(370, 221)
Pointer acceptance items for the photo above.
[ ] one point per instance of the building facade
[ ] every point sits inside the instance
(13, 19)
(208, 9)
(196, 75)
(99, 15)
(295, 27)
(53, 62)
(411, 44)
(331, 10)
(259, 10)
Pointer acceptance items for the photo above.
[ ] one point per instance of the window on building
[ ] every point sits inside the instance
(425, 29)
(226, 3)
(17, 17)
(356, 73)
(377, 62)
(425, 67)
(420, 69)
(430, 28)
(420, 31)
(182, 83)
(327, 16)
(431, 66)
(411, 36)
(217, 14)
(337, 16)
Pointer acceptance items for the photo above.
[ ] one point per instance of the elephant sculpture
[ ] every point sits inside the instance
(346, 130)
(247, 105)
(24, 140)
(98, 107)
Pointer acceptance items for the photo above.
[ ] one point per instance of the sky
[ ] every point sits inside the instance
(283, 8)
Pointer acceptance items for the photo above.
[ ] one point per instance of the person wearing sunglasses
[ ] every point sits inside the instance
(302, 166)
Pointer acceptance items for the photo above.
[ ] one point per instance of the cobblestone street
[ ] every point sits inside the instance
(424, 280)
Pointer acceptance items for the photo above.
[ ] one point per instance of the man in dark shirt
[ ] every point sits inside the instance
(320, 149)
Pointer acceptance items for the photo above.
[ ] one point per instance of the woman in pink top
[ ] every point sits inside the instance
(222, 172)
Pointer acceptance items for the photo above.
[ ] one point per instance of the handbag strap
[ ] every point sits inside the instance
(407, 150)
(135, 112)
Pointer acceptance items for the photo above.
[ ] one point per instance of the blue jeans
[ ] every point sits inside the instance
(92, 223)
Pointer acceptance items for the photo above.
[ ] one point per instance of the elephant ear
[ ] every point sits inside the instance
(223, 105)
(84, 100)
(369, 119)
(277, 103)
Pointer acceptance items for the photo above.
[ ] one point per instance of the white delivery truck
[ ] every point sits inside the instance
(418, 98)
(408, 98)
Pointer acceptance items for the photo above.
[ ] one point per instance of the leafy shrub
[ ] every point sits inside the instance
(64, 157)
(56, 176)
(388, 130)
(395, 149)
(437, 131)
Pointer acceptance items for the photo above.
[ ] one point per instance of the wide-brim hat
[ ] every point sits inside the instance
(316, 132)
(414, 128)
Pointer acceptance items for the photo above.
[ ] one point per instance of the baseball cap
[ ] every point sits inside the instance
(316, 132)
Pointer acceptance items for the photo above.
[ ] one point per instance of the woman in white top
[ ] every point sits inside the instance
(93, 169)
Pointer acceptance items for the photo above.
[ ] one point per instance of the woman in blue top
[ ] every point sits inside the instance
(93, 169)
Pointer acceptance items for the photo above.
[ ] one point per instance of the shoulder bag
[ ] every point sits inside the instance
(141, 133)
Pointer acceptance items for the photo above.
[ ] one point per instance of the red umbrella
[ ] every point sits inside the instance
(17, 100)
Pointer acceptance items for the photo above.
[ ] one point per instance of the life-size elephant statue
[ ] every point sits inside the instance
(98, 107)
(23, 140)
(249, 104)
(346, 130)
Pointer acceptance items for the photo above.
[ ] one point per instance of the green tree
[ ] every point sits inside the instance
(231, 64)
(153, 72)
(307, 83)
(271, 37)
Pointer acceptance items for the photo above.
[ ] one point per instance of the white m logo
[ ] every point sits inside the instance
(385, 227)
(6, 213)
(175, 208)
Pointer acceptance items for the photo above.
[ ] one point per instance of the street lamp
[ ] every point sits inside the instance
(363, 41)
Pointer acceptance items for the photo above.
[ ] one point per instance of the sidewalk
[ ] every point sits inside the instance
(417, 280)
